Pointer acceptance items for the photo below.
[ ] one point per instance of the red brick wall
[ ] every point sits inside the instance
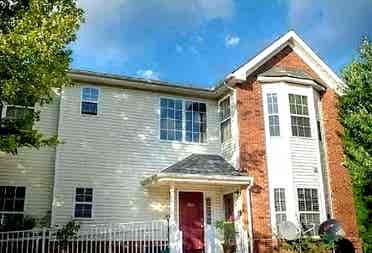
(252, 159)
(342, 201)
(252, 151)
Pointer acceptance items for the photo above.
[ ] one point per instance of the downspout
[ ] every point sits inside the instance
(249, 210)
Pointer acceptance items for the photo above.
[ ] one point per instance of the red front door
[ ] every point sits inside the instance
(192, 221)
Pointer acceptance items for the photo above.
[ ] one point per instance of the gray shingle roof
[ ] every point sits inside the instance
(288, 72)
(203, 164)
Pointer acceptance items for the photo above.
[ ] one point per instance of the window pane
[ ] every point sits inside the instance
(280, 218)
(225, 130)
(225, 109)
(196, 121)
(170, 119)
(178, 136)
(189, 136)
(272, 104)
(90, 94)
(89, 108)
(163, 134)
(83, 210)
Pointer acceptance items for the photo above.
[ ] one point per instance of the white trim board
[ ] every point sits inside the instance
(301, 49)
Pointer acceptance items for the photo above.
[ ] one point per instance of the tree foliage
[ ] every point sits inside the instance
(356, 117)
(34, 59)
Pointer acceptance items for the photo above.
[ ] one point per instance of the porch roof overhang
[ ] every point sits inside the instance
(200, 169)
(174, 178)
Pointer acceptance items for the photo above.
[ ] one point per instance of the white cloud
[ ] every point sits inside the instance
(179, 48)
(127, 27)
(148, 74)
(231, 41)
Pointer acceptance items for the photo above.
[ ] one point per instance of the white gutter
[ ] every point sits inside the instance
(307, 82)
(199, 178)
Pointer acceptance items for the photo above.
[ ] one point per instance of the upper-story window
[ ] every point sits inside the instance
(83, 203)
(89, 100)
(280, 205)
(19, 113)
(12, 200)
(196, 121)
(308, 206)
(170, 119)
(225, 119)
(300, 119)
(272, 109)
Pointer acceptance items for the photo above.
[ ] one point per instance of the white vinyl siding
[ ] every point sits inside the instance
(32, 168)
(115, 152)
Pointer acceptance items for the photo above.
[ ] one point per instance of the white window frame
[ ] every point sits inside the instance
(5, 108)
(226, 119)
(309, 212)
(3, 213)
(83, 202)
(206, 120)
(89, 101)
(183, 120)
(300, 115)
(273, 114)
(280, 212)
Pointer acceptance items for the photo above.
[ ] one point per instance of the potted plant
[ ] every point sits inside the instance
(228, 230)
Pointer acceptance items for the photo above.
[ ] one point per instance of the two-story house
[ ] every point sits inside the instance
(260, 148)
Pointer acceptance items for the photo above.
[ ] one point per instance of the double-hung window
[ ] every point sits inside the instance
(196, 121)
(170, 119)
(183, 120)
(300, 119)
(280, 205)
(21, 114)
(12, 201)
(89, 100)
(225, 119)
(308, 206)
(272, 110)
(83, 203)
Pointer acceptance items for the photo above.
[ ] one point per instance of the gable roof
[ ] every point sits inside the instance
(202, 165)
(291, 39)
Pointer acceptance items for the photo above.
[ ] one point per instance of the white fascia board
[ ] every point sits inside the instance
(299, 42)
(199, 178)
(293, 80)
(252, 65)
(301, 48)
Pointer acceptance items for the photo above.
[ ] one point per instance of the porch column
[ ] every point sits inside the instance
(172, 205)
(175, 241)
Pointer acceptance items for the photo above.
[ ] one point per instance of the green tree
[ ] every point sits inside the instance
(356, 117)
(34, 60)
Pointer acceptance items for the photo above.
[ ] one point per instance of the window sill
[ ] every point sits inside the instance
(183, 142)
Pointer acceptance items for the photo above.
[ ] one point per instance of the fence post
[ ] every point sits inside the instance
(43, 241)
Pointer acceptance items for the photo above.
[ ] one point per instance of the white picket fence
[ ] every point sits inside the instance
(136, 237)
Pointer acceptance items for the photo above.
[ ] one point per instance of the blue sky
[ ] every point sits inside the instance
(200, 41)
